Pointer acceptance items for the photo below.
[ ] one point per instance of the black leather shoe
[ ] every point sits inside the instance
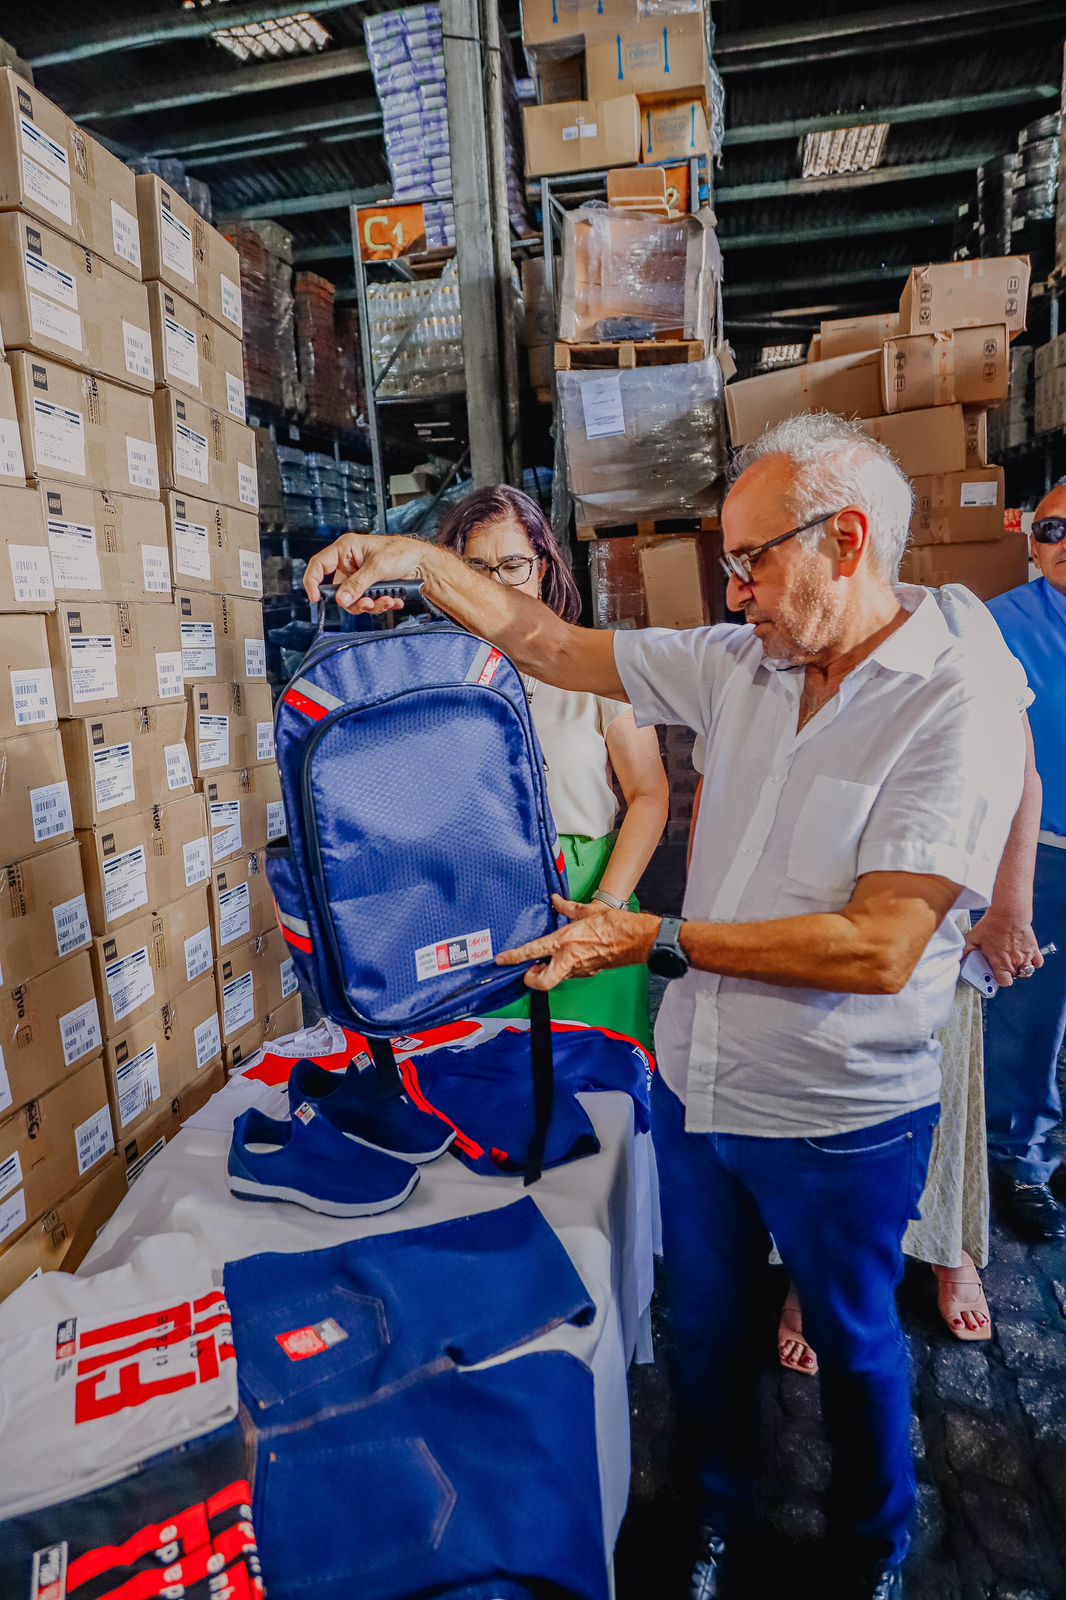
(1033, 1210)
(708, 1571)
(888, 1585)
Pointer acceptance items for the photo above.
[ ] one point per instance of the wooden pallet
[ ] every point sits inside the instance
(628, 353)
(652, 528)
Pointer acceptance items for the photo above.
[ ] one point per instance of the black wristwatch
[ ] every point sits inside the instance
(667, 959)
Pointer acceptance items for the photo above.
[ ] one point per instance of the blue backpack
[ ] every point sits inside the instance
(420, 843)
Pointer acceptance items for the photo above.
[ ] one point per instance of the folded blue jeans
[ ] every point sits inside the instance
(837, 1208)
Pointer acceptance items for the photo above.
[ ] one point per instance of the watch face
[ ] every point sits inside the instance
(666, 963)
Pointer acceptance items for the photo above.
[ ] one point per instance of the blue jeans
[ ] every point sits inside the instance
(837, 1208)
(1024, 1027)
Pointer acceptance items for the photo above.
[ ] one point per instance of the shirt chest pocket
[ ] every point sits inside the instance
(823, 855)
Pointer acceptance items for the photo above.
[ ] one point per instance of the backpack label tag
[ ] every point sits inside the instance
(449, 955)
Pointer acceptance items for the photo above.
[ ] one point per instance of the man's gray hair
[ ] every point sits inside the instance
(838, 464)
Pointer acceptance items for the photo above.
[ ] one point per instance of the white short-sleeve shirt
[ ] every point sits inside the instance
(916, 765)
(572, 729)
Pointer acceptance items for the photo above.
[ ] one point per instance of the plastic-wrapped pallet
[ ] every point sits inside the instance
(271, 495)
(270, 375)
(644, 442)
(419, 327)
(630, 275)
(350, 356)
(316, 351)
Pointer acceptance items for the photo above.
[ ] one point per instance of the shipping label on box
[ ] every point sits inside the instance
(187, 254)
(206, 453)
(44, 917)
(581, 136)
(49, 1146)
(59, 300)
(193, 354)
(83, 429)
(958, 507)
(161, 1055)
(35, 803)
(253, 980)
(151, 960)
(126, 762)
(966, 294)
(27, 685)
(51, 1025)
(245, 811)
(106, 546)
(214, 547)
(657, 58)
(26, 569)
(58, 173)
(969, 366)
(230, 726)
(114, 657)
(242, 905)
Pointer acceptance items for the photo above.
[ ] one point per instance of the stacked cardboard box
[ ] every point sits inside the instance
(922, 381)
(615, 84)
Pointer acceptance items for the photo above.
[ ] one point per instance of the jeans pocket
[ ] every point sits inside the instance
(290, 906)
(333, 1337)
(862, 1141)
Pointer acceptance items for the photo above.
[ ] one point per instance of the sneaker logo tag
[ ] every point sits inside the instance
(306, 1113)
(300, 1343)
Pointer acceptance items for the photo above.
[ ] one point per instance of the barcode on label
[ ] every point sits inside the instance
(197, 862)
(80, 1032)
(264, 741)
(198, 955)
(155, 564)
(10, 1174)
(238, 1003)
(277, 827)
(142, 463)
(170, 675)
(31, 574)
(289, 981)
(252, 571)
(94, 1139)
(208, 1041)
(179, 770)
(72, 925)
(50, 808)
(234, 914)
(33, 697)
(137, 1085)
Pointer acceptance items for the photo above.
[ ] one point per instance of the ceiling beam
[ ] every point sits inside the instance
(889, 223)
(927, 111)
(230, 135)
(341, 251)
(817, 29)
(271, 76)
(191, 23)
(941, 167)
(230, 157)
(819, 280)
(301, 204)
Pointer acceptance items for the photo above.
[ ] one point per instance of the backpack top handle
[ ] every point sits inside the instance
(410, 592)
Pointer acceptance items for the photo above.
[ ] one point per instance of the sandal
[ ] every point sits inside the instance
(960, 1291)
(793, 1351)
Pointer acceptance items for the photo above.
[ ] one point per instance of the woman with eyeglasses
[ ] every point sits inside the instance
(504, 534)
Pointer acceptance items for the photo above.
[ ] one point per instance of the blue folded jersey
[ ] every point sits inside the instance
(485, 1092)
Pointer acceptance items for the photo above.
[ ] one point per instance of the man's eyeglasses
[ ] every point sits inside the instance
(1050, 530)
(739, 566)
(512, 569)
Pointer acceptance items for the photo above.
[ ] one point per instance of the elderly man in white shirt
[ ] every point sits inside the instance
(860, 783)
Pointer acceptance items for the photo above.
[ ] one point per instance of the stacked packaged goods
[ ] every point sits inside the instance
(923, 379)
(270, 374)
(416, 332)
(318, 354)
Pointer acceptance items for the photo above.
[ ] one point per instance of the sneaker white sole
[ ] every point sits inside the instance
(419, 1158)
(248, 1189)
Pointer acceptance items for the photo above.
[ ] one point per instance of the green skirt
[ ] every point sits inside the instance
(617, 998)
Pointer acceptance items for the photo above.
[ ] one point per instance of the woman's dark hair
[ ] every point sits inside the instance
(485, 506)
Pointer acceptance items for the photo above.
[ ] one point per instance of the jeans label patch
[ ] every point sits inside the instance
(299, 1343)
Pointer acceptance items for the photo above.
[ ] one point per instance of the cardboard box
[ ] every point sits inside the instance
(231, 725)
(988, 568)
(245, 811)
(60, 1240)
(966, 294)
(958, 507)
(125, 762)
(221, 638)
(204, 452)
(58, 173)
(967, 366)
(975, 432)
(51, 1025)
(246, 1050)
(35, 809)
(924, 442)
(673, 584)
(49, 1146)
(60, 300)
(105, 546)
(164, 1122)
(151, 960)
(12, 460)
(676, 130)
(144, 861)
(560, 78)
(554, 22)
(657, 58)
(846, 336)
(187, 254)
(193, 354)
(214, 547)
(43, 914)
(850, 385)
(581, 136)
(160, 1056)
(26, 576)
(83, 429)
(242, 905)
(27, 689)
(114, 656)
(253, 979)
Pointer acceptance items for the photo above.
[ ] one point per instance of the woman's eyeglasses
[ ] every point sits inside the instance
(512, 569)
(1050, 530)
(739, 566)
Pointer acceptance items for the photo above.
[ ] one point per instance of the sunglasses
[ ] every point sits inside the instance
(1050, 530)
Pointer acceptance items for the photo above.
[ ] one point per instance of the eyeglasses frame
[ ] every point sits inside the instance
(739, 566)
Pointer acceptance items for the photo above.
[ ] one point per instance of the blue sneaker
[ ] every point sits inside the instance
(355, 1106)
(308, 1162)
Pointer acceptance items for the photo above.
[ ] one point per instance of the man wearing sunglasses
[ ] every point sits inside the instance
(1025, 1026)
(859, 784)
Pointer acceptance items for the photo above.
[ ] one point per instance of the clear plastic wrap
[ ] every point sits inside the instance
(350, 356)
(317, 354)
(630, 275)
(416, 330)
(271, 493)
(270, 375)
(657, 445)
